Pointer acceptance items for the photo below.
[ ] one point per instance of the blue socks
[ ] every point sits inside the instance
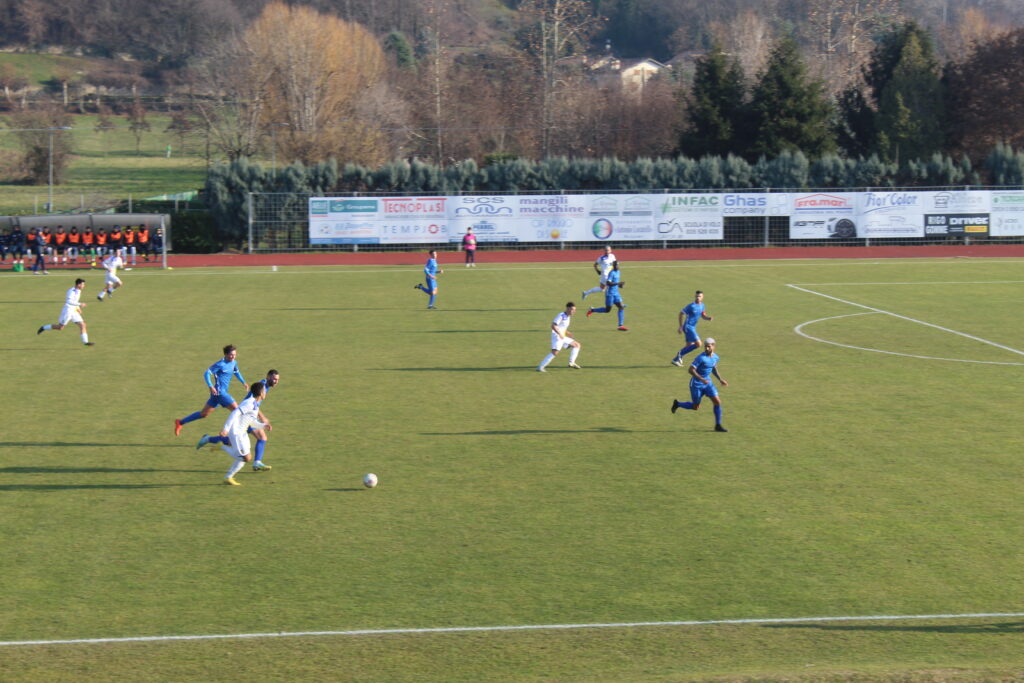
(191, 418)
(431, 302)
(685, 350)
(603, 309)
(718, 415)
(685, 406)
(260, 447)
(622, 317)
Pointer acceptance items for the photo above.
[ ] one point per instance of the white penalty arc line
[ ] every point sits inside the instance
(531, 627)
(909, 319)
(799, 330)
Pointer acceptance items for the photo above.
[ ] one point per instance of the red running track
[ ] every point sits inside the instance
(406, 258)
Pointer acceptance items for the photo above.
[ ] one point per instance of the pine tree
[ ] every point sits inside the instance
(789, 111)
(714, 108)
(910, 111)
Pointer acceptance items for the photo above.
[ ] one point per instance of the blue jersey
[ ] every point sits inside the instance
(266, 388)
(614, 278)
(219, 375)
(693, 311)
(704, 364)
(430, 270)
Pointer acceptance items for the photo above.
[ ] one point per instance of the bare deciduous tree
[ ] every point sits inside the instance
(315, 68)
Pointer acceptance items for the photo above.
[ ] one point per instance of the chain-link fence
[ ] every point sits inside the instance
(280, 222)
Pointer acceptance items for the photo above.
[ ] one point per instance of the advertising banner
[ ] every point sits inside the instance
(1007, 214)
(662, 216)
(890, 214)
(343, 221)
(690, 217)
(822, 216)
(622, 217)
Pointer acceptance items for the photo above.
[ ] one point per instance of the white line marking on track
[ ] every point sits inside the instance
(891, 284)
(799, 330)
(583, 263)
(909, 319)
(531, 627)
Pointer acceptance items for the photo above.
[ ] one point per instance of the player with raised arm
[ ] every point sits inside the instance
(430, 271)
(561, 339)
(603, 267)
(71, 313)
(111, 263)
(218, 380)
(691, 314)
(269, 382)
(612, 296)
(703, 366)
(243, 417)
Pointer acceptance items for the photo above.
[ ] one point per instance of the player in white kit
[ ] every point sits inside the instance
(111, 263)
(603, 266)
(71, 313)
(246, 415)
(561, 339)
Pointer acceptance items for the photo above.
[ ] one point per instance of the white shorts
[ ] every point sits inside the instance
(70, 314)
(558, 343)
(240, 445)
(603, 281)
(113, 279)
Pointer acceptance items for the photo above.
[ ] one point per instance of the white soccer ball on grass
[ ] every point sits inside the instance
(370, 480)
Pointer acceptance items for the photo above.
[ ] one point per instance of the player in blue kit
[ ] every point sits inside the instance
(612, 296)
(691, 314)
(430, 272)
(703, 366)
(218, 380)
(269, 382)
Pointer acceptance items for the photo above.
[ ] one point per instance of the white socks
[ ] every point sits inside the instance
(573, 353)
(85, 337)
(547, 359)
(592, 290)
(237, 465)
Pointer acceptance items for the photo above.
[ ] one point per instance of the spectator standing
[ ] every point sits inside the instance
(469, 246)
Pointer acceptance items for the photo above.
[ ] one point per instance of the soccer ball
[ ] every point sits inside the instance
(370, 480)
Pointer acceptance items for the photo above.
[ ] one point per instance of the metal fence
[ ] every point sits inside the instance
(279, 222)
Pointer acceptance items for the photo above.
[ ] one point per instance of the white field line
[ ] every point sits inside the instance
(531, 627)
(584, 264)
(909, 319)
(892, 284)
(799, 330)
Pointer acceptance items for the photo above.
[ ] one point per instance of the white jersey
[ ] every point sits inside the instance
(561, 322)
(71, 312)
(604, 262)
(112, 263)
(72, 298)
(244, 416)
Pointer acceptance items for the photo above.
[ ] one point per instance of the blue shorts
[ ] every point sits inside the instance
(612, 299)
(431, 283)
(222, 399)
(691, 334)
(699, 390)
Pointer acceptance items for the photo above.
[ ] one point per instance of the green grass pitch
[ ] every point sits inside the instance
(851, 483)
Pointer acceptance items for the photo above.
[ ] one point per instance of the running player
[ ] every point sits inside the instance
(691, 314)
(71, 313)
(430, 271)
(603, 266)
(243, 417)
(111, 263)
(703, 366)
(561, 339)
(612, 296)
(218, 380)
(270, 381)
